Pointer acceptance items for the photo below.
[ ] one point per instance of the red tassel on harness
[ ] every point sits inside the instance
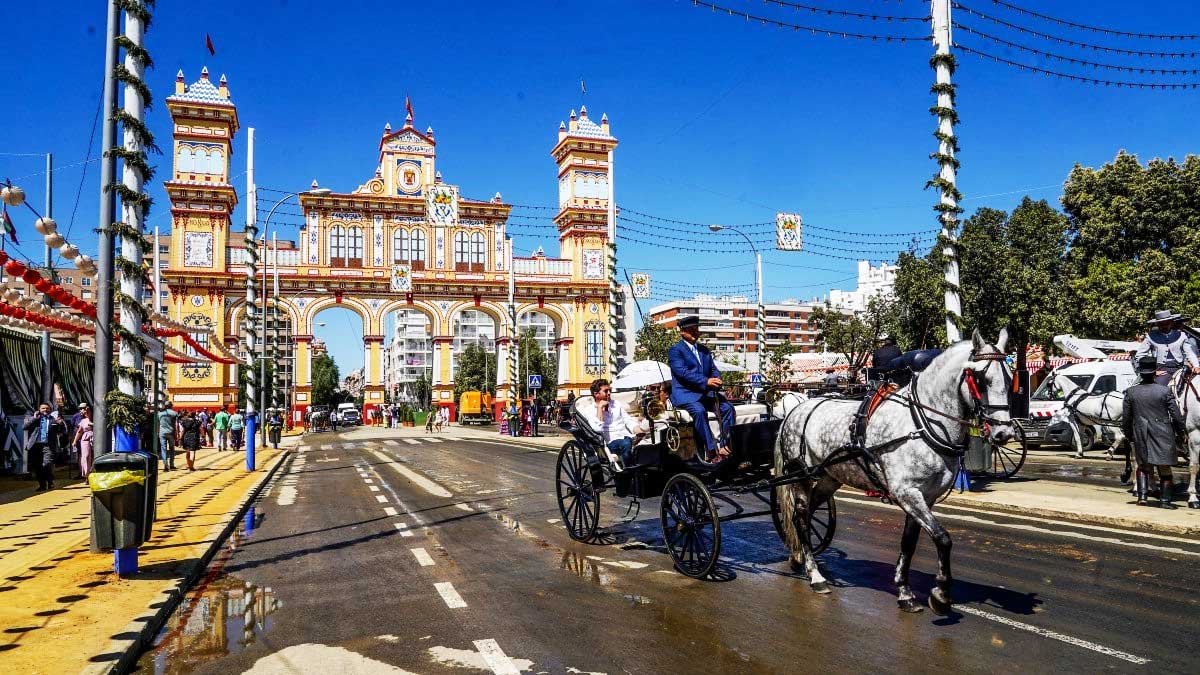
(969, 376)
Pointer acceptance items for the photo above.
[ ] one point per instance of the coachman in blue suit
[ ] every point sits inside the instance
(696, 388)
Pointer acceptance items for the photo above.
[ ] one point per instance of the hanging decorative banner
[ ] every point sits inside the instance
(641, 284)
(401, 278)
(788, 233)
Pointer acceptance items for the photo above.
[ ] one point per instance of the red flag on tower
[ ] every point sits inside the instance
(212, 51)
(408, 106)
(9, 228)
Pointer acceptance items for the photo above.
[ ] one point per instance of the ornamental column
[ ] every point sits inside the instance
(302, 377)
(372, 374)
(563, 347)
(504, 388)
(443, 377)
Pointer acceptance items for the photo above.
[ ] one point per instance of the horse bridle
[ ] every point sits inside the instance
(983, 410)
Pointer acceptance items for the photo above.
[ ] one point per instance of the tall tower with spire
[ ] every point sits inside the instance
(204, 123)
(582, 155)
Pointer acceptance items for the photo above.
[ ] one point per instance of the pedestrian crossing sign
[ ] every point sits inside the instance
(535, 381)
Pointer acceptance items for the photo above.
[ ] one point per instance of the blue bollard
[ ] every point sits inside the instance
(251, 433)
(962, 481)
(125, 441)
(248, 522)
(125, 561)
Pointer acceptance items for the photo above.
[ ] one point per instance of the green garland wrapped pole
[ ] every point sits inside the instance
(250, 324)
(946, 179)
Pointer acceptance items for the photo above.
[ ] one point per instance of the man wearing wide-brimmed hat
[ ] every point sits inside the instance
(1151, 420)
(1169, 346)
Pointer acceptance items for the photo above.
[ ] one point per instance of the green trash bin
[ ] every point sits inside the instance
(124, 486)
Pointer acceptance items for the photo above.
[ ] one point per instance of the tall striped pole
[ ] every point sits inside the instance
(250, 323)
(515, 339)
(762, 310)
(614, 291)
(132, 352)
(946, 180)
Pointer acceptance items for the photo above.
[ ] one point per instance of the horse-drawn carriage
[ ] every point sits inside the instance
(696, 495)
(793, 462)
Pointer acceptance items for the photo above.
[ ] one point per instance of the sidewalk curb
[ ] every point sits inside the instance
(146, 626)
(1086, 518)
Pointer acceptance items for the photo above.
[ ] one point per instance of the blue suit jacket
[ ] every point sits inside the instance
(689, 379)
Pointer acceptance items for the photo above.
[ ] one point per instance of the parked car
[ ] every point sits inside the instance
(348, 414)
(1094, 377)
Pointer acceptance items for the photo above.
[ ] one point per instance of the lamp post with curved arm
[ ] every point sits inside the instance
(761, 312)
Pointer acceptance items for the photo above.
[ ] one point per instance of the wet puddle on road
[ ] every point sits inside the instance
(222, 615)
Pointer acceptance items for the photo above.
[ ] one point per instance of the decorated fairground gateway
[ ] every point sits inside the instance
(403, 243)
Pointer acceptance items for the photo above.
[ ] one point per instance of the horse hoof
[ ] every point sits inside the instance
(939, 606)
(910, 606)
(820, 587)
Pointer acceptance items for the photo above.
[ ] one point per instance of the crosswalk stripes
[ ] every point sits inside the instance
(412, 441)
(434, 440)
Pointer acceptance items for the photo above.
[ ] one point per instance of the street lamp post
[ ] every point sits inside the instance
(758, 285)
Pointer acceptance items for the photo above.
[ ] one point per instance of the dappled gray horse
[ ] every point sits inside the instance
(1082, 407)
(912, 447)
(1189, 405)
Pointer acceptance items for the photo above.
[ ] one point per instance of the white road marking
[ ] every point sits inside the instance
(387, 510)
(368, 481)
(421, 481)
(287, 496)
(402, 528)
(422, 556)
(1101, 649)
(392, 442)
(373, 488)
(942, 515)
(553, 520)
(434, 440)
(495, 657)
(412, 441)
(381, 499)
(451, 596)
(464, 507)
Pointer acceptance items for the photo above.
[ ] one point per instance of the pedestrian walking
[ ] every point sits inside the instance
(535, 416)
(205, 420)
(514, 420)
(168, 433)
(221, 429)
(189, 438)
(1152, 422)
(84, 439)
(43, 432)
(237, 426)
(387, 416)
(275, 426)
(333, 419)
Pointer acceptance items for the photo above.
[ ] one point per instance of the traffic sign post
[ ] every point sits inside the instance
(535, 381)
(756, 380)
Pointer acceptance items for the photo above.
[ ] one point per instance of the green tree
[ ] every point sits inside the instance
(777, 364)
(475, 370)
(982, 250)
(325, 380)
(1135, 243)
(845, 332)
(533, 360)
(654, 341)
(920, 321)
(422, 391)
(1033, 295)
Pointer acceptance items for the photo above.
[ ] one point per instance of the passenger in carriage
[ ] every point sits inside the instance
(696, 388)
(619, 429)
(1171, 348)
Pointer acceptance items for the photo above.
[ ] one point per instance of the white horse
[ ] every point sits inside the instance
(1189, 405)
(1081, 407)
(915, 440)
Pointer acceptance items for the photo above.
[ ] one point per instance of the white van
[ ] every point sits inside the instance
(1095, 377)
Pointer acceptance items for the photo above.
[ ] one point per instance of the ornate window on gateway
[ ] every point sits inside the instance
(337, 246)
(408, 246)
(354, 247)
(594, 338)
(470, 252)
(478, 252)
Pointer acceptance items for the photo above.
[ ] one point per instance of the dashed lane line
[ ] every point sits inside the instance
(422, 557)
(411, 441)
(402, 528)
(1100, 649)
(421, 481)
(451, 596)
(390, 511)
(433, 440)
(381, 499)
(373, 488)
(496, 658)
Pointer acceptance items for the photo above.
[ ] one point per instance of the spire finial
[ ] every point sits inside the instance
(204, 73)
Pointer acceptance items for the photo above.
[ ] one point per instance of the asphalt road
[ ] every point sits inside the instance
(390, 555)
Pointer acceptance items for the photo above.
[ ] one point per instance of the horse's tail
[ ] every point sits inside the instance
(785, 494)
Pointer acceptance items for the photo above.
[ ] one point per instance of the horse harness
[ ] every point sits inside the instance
(867, 457)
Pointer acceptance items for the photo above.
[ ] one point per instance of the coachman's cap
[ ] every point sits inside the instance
(1147, 364)
(690, 321)
(1162, 316)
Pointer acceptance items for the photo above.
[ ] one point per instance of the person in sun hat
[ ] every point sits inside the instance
(1170, 347)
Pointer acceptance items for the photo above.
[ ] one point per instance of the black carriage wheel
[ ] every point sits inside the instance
(690, 524)
(1006, 461)
(578, 500)
(821, 528)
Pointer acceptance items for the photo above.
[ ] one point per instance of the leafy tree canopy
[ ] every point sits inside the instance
(654, 341)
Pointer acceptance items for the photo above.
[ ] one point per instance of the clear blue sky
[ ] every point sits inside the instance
(720, 119)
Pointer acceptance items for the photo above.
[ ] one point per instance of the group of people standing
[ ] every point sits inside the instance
(526, 420)
(196, 429)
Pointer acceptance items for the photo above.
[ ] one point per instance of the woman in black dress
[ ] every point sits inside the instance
(190, 438)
